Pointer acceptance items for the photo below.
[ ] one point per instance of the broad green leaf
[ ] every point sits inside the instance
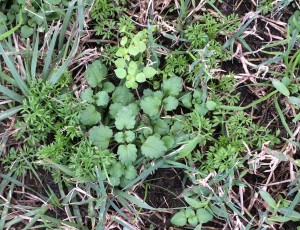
(125, 119)
(26, 31)
(204, 216)
(108, 87)
(122, 95)
(129, 136)
(179, 219)
(121, 52)
(149, 72)
(141, 46)
(169, 141)
(100, 136)
(123, 41)
(95, 73)
(172, 86)
(140, 77)
(267, 198)
(120, 73)
(87, 95)
(116, 169)
(189, 212)
(280, 87)
(187, 100)
(120, 63)
(102, 98)
(161, 127)
(89, 116)
(193, 221)
(127, 153)
(132, 50)
(119, 137)
(151, 105)
(114, 181)
(170, 103)
(211, 105)
(130, 172)
(132, 68)
(153, 147)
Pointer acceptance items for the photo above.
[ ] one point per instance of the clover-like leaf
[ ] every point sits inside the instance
(168, 141)
(132, 50)
(161, 127)
(127, 153)
(122, 137)
(119, 137)
(121, 52)
(120, 63)
(129, 136)
(170, 103)
(108, 87)
(153, 147)
(120, 73)
(89, 116)
(204, 216)
(172, 86)
(187, 100)
(116, 169)
(151, 105)
(125, 119)
(179, 219)
(131, 84)
(140, 77)
(26, 31)
(122, 95)
(87, 95)
(132, 68)
(102, 98)
(130, 172)
(100, 136)
(95, 73)
(149, 72)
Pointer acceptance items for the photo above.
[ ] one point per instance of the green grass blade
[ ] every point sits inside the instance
(11, 94)
(20, 82)
(282, 118)
(6, 207)
(55, 77)
(35, 57)
(81, 18)
(46, 69)
(18, 183)
(8, 79)
(241, 108)
(8, 113)
(134, 200)
(65, 25)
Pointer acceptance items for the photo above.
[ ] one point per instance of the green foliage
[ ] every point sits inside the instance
(36, 15)
(130, 65)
